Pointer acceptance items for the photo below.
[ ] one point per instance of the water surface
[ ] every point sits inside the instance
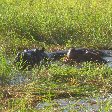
(78, 105)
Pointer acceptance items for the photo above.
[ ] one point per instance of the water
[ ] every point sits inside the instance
(78, 105)
(109, 58)
(19, 79)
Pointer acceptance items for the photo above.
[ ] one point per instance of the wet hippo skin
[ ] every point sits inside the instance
(35, 56)
(83, 55)
(30, 57)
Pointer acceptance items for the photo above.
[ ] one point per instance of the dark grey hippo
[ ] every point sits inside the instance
(83, 54)
(29, 58)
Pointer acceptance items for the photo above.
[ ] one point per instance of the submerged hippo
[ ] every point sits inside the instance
(82, 55)
(30, 57)
(35, 56)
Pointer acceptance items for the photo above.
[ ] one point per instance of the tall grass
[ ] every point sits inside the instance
(7, 70)
(82, 23)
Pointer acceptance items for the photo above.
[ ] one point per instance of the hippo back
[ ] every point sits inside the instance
(30, 57)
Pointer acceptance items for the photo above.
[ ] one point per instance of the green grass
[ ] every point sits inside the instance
(78, 23)
(54, 24)
(55, 81)
(58, 82)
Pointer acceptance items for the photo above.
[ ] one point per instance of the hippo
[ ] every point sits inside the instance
(83, 55)
(29, 58)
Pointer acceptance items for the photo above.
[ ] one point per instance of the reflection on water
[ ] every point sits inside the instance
(75, 105)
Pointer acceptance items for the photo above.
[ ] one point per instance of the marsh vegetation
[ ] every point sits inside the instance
(54, 25)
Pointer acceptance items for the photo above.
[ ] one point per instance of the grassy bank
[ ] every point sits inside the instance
(53, 24)
(79, 23)
(56, 81)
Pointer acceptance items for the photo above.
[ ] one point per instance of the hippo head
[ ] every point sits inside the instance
(30, 57)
